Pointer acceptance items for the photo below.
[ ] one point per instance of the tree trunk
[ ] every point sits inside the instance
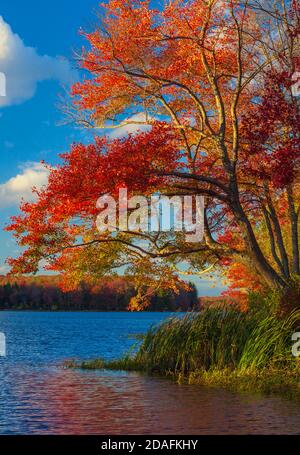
(294, 232)
(264, 268)
(259, 261)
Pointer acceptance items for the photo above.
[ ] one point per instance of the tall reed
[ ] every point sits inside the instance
(216, 338)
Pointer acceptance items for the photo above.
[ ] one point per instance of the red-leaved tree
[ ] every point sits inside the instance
(213, 82)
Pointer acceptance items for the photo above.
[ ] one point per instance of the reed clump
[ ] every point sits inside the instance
(220, 346)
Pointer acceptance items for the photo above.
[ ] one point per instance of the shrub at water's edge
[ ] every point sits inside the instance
(220, 346)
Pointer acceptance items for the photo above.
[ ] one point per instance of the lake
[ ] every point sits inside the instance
(39, 396)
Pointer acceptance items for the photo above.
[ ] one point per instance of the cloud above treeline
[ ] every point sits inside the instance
(20, 186)
(131, 125)
(24, 68)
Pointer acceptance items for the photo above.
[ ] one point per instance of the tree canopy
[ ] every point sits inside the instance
(213, 82)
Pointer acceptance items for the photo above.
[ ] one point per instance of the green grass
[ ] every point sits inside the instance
(267, 380)
(220, 347)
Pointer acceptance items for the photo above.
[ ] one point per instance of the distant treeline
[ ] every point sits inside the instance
(111, 294)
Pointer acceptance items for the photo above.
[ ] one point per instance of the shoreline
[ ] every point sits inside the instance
(269, 382)
(218, 347)
(93, 311)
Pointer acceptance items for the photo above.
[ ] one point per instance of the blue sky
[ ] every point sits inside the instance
(28, 123)
(37, 42)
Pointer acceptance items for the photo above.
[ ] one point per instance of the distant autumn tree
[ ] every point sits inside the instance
(213, 82)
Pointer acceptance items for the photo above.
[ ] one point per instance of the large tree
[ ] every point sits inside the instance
(213, 82)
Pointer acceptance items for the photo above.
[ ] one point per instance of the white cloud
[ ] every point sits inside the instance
(135, 123)
(4, 269)
(23, 67)
(20, 186)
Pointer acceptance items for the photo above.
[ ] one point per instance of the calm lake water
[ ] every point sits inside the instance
(38, 396)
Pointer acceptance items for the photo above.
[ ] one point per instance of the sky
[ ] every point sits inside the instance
(37, 44)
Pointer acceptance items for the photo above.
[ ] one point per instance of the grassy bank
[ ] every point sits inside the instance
(220, 347)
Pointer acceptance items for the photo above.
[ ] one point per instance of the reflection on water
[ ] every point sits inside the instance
(73, 402)
(50, 400)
